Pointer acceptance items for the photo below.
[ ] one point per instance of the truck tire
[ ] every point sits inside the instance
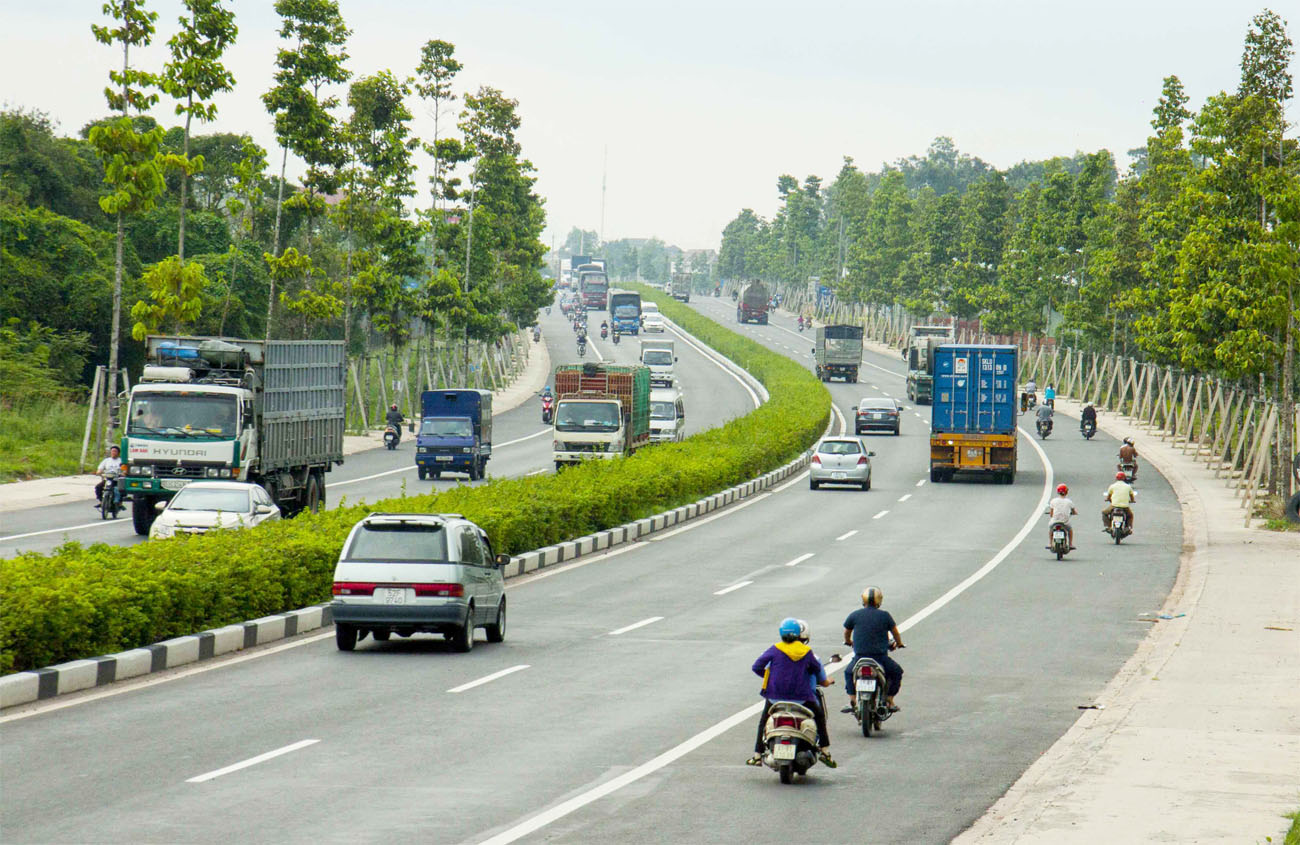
(142, 515)
(424, 473)
(314, 496)
(1293, 508)
(935, 476)
(473, 471)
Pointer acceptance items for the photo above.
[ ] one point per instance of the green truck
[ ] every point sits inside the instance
(602, 411)
(922, 341)
(838, 352)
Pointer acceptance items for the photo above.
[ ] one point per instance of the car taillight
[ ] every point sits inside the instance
(816, 459)
(866, 672)
(787, 722)
(353, 588)
(439, 590)
(862, 461)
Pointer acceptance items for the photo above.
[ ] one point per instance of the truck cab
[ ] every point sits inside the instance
(455, 433)
(667, 416)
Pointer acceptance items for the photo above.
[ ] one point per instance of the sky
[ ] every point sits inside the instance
(689, 111)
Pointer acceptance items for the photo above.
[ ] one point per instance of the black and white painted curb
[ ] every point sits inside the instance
(77, 675)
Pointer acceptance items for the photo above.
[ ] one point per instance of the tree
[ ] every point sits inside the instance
(175, 297)
(434, 75)
(194, 75)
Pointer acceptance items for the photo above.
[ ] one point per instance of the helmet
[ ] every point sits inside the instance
(789, 629)
(873, 596)
(803, 631)
(393, 406)
(1120, 476)
(1062, 489)
(1128, 440)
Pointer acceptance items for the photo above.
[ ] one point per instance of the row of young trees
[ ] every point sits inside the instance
(1191, 259)
(191, 232)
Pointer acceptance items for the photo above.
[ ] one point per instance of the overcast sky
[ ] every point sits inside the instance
(703, 104)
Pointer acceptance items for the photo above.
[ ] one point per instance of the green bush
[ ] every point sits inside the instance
(85, 601)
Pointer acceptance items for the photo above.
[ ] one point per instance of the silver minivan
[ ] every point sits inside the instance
(408, 573)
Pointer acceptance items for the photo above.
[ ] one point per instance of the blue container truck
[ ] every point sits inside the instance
(625, 311)
(973, 419)
(455, 433)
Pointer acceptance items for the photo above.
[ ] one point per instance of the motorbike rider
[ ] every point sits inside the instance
(868, 630)
(1089, 415)
(1044, 413)
(1030, 389)
(787, 668)
(1049, 396)
(1061, 509)
(800, 322)
(108, 468)
(1121, 498)
(394, 418)
(1128, 454)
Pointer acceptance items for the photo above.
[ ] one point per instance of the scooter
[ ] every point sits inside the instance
(1129, 470)
(1044, 428)
(1087, 428)
(604, 333)
(391, 436)
(537, 334)
(801, 324)
(869, 695)
(110, 504)
(1118, 528)
(790, 737)
(582, 349)
(616, 335)
(1060, 540)
(548, 410)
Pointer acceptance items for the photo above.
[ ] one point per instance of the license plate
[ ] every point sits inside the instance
(444, 458)
(394, 595)
(837, 475)
(1058, 535)
(174, 483)
(782, 751)
(867, 685)
(974, 453)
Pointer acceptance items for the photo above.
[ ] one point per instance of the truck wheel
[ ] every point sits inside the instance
(935, 476)
(559, 465)
(473, 471)
(142, 515)
(1293, 508)
(422, 472)
(312, 496)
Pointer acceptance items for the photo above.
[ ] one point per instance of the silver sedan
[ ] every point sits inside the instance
(840, 460)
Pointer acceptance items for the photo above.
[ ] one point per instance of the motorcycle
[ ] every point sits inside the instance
(537, 335)
(604, 333)
(582, 350)
(616, 336)
(1044, 429)
(1088, 428)
(800, 324)
(1118, 528)
(391, 436)
(790, 737)
(548, 410)
(110, 503)
(1129, 469)
(869, 694)
(1060, 540)
(1030, 401)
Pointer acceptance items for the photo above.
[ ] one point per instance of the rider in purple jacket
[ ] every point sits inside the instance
(786, 669)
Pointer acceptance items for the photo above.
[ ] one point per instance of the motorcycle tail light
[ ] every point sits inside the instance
(866, 672)
(786, 722)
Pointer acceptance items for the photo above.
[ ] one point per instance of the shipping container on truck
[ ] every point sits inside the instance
(838, 351)
(973, 418)
(455, 433)
(751, 305)
(681, 287)
(267, 412)
(602, 411)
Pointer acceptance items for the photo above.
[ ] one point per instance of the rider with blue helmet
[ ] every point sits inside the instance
(787, 668)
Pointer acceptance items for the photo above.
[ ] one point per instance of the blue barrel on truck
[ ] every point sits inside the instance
(973, 418)
(455, 433)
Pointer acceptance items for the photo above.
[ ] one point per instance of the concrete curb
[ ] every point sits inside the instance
(77, 675)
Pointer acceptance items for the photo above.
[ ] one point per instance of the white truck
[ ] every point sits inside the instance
(659, 356)
(667, 416)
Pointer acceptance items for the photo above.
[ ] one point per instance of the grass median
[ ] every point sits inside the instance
(84, 601)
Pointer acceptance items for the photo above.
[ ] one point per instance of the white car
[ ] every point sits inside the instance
(653, 322)
(202, 506)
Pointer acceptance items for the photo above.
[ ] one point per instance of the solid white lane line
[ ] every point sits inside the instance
(487, 679)
(879, 515)
(846, 535)
(732, 588)
(537, 822)
(919, 483)
(905, 498)
(800, 559)
(635, 625)
(252, 761)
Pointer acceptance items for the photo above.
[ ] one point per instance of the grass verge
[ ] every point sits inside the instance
(39, 440)
(84, 601)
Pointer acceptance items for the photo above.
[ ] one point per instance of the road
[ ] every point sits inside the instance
(621, 706)
(522, 447)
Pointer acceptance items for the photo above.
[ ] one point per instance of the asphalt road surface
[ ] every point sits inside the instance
(621, 706)
(522, 446)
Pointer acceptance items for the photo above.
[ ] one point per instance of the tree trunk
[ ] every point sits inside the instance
(185, 178)
(111, 375)
(275, 240)
(1286, 444)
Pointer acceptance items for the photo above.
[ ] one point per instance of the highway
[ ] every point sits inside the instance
(522, 446)
(621, 706)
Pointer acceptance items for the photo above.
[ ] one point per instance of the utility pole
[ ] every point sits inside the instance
(604, 170)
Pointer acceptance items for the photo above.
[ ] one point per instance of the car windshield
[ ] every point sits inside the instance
(663, 410)
(656, 357)
(839, 447)
(199, 499)
(878, 404)
(447, 427)
(179, 413)
(587, 416)
(405, 541)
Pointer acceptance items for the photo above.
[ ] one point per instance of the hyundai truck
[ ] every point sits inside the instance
(602, 412)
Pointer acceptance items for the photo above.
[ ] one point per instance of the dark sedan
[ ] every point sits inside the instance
(882, 414)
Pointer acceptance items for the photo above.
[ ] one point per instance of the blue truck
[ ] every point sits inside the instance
(973, 418)
(625, 311)
(455, 433)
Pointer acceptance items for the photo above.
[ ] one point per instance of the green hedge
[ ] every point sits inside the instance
(86, 601)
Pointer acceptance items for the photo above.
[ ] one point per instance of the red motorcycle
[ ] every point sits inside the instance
(548, 410)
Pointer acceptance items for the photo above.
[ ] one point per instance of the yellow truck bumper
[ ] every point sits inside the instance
(992, 453)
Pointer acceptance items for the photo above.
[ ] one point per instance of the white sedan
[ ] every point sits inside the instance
(204, 505)
(652, 322)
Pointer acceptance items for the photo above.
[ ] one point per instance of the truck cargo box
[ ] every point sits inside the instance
(631, 384)
(975, 389)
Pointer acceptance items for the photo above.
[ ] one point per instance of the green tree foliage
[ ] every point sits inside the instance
(175, 297)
